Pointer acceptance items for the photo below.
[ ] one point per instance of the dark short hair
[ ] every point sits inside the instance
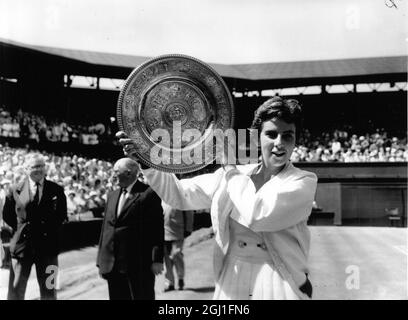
(288, 110)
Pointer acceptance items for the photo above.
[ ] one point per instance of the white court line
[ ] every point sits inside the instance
(402, 249)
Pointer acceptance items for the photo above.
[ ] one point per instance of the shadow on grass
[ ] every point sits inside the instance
(202, 290)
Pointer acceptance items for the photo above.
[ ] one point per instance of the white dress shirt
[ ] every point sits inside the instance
(123, 197)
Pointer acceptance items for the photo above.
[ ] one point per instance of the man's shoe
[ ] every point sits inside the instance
(169, 288)
(181, 284)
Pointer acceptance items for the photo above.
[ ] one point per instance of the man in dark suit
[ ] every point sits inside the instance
(35, 209)
(132, 237)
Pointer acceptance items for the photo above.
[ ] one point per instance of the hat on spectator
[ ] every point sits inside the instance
(93, 193)
(5, 181)
(67, 179)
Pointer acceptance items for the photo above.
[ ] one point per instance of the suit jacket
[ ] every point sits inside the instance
(135, 239)
(36, 227)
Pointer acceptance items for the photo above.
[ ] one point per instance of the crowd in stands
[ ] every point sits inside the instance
(38, 128)
(341, 146)
(335, 146)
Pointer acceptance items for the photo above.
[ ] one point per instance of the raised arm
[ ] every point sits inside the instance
(186, 194)
(275, 207)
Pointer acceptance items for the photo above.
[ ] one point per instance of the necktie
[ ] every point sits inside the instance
(37, 193)
(122, 200)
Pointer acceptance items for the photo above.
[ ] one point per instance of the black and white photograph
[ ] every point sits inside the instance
(203, 150)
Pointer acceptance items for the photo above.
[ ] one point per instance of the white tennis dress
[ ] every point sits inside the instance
(261, 236)
(249, 272)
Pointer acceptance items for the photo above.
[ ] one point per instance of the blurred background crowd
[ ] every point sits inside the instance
(345, 146)
(38, 128)
(336, 146)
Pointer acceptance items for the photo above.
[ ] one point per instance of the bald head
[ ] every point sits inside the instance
(125, 171)
(128, 164)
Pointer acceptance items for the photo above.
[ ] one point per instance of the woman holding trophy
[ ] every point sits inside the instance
(259, 211)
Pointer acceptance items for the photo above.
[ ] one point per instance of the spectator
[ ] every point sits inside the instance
(96, 204)
(130, 251)
(72, 207)
(177, 225)
(35, 213)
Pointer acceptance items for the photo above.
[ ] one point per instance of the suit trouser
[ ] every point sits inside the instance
(124, 286)
(46, 268)
(173, 257)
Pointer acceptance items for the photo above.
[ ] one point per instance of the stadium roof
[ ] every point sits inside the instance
(255, 76)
